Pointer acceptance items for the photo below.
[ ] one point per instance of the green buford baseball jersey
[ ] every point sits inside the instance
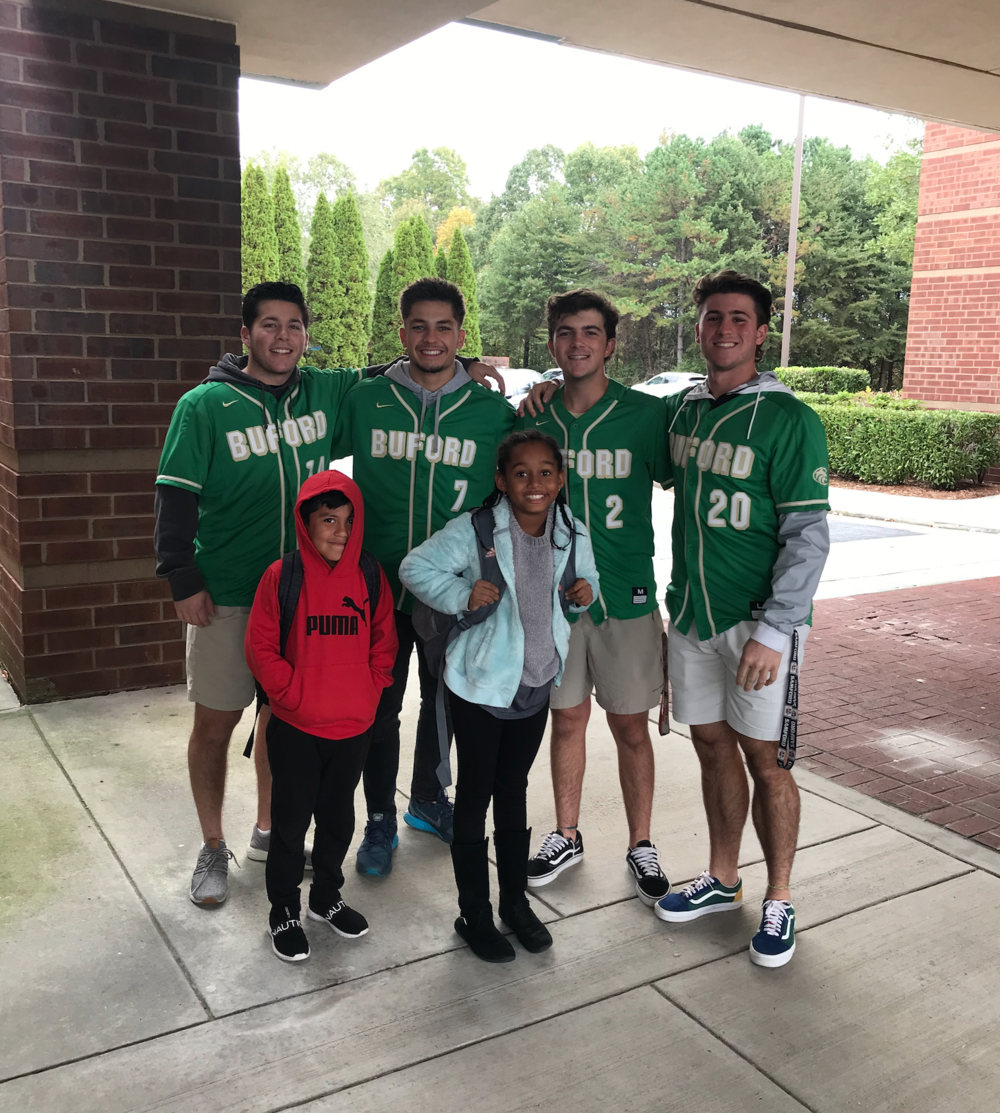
(739, 463)
(245, 454)
(416, 476)
(613, 453)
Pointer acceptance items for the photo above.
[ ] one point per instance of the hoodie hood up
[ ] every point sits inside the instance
(315, 564)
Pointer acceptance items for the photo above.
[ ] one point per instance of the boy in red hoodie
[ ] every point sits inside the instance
(323, 694)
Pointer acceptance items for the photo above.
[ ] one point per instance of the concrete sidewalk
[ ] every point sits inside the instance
(118, 994)
(972, 514)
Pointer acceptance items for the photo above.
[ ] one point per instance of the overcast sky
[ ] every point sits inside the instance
(373, 119)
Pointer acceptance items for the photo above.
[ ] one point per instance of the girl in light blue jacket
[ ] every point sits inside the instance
(499, 672)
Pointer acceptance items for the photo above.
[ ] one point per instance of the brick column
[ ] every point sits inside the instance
(120, 282)
(953, 336)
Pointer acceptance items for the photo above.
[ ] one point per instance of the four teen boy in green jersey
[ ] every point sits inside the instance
(748, 463)
(750, 539)
(613, 446)
(424, 439)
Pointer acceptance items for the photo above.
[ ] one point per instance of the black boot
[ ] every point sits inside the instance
(475, 925)
(515, 911)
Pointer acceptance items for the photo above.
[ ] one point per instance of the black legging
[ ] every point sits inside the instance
(494, 757)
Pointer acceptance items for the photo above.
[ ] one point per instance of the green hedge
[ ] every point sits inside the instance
(880, 401)
(885, 445)
(823, 380)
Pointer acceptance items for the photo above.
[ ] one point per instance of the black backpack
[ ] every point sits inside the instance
(437, 630)
(289, 590)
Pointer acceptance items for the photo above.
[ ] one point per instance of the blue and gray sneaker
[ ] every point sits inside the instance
(704, 895)
(375, 851)
(774, 944)
(435, 816)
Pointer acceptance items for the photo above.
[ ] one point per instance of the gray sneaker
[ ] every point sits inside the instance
(260, 843)
(210, 883)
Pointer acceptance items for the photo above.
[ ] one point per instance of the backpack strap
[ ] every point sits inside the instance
(373, 580)
(289, 590)
(484, 523)
(569, 576)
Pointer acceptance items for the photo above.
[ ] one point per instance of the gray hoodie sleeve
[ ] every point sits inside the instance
(805, 543)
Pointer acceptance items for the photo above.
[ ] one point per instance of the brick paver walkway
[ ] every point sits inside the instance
(900, 700)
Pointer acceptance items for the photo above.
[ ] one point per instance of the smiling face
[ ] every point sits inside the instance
(275, 341)
(580, 345)
(532, 480)
(728, 333)
(329, 531)
(431, 336)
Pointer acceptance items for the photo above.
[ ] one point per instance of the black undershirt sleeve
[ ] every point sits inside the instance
(173, 538)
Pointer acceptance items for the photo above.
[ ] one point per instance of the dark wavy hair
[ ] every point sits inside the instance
(504, 453)
(272, 291)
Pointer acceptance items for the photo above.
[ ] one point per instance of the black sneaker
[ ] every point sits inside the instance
(288, 940)
(651, 882)
(554, 855)
(344, 921)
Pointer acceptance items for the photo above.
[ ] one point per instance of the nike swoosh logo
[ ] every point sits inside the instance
(545, 422)
(382, 405)
(233, 403)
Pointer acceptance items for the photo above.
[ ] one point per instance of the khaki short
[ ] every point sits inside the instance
(217, 673)
(621, 661)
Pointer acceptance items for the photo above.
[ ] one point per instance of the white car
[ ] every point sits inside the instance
(518, 381)
(668, 382)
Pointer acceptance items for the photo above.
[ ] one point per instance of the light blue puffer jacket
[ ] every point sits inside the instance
(484, 663)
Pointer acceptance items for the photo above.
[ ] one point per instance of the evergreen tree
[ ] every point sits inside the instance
(259, 242)
(404, 269)
(461, 273)
(441, 263)
(424, 246)
(326, 288)
(385, 345)
(287, 231)
(349, 239)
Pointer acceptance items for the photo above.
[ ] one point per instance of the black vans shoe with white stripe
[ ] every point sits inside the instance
(651, 882)
(554, 855)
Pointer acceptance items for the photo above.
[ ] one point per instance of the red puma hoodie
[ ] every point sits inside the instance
(339, 657)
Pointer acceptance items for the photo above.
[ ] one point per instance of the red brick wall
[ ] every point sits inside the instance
(119, 286)
(953, 338)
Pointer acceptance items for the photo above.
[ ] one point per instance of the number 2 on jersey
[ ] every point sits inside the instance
(614, 505)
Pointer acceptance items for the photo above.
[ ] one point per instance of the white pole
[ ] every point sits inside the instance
(793, 239)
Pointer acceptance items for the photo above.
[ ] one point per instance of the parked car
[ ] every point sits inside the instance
(668, 382)
(552, 373)
(519, 380)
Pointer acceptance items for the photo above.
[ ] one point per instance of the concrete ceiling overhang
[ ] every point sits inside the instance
(935, 59)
